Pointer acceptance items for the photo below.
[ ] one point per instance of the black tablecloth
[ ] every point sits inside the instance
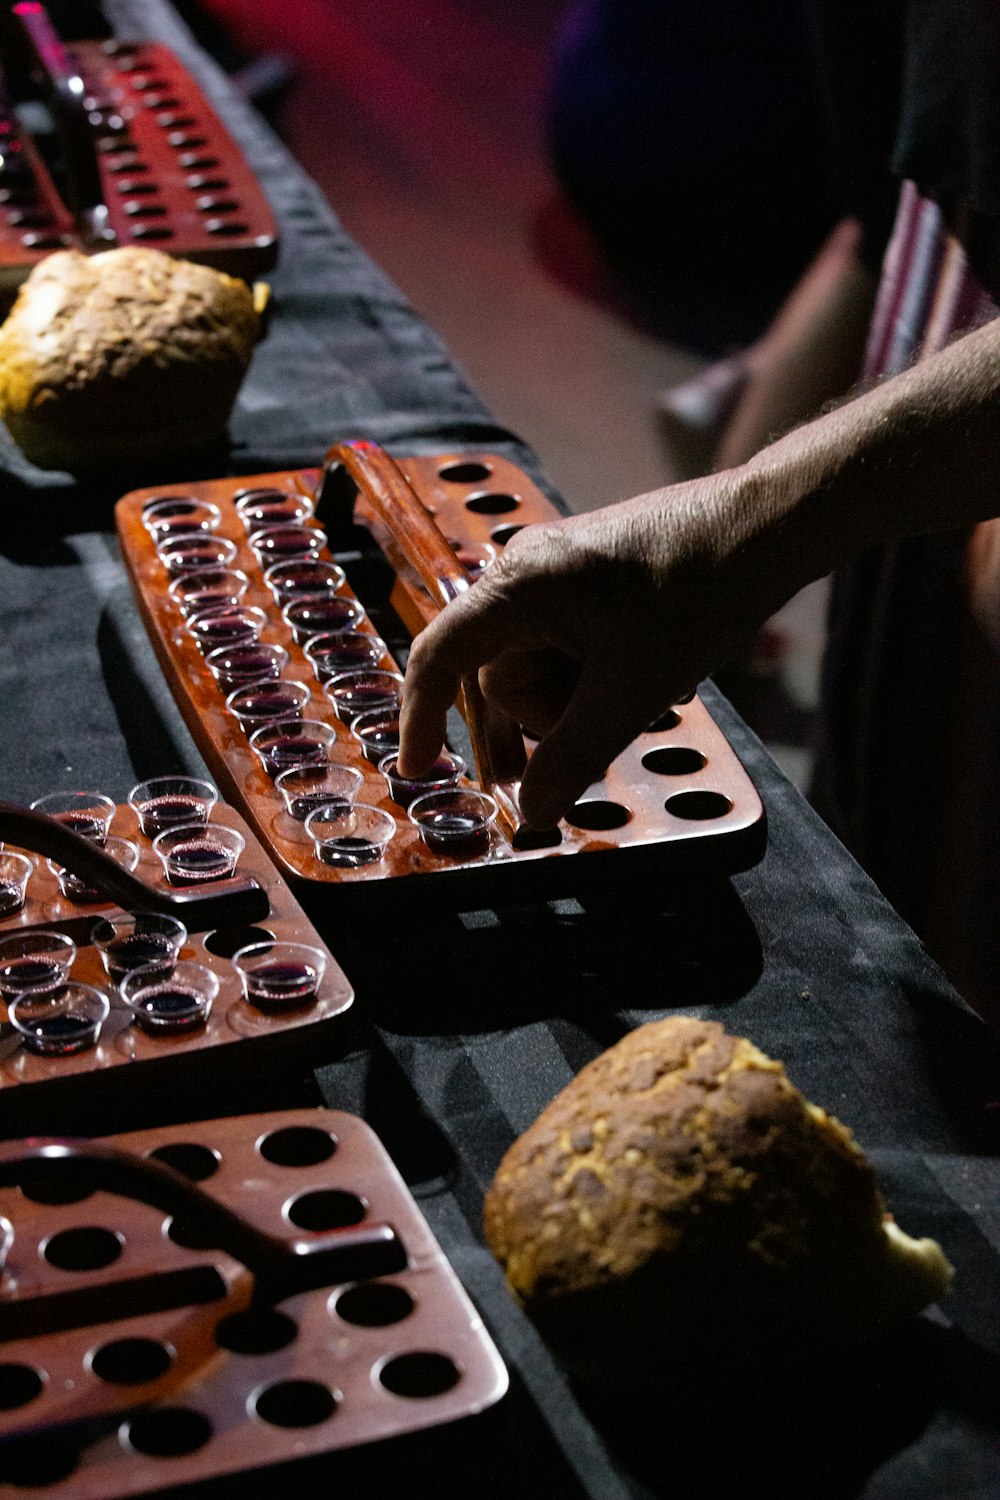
(467, 1026)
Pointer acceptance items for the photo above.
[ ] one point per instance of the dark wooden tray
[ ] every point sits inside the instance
(236, 1037)
(169, 172)
(677, 802)
(132, 1359)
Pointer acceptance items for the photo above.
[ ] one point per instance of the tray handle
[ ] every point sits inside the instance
(497, 743)
(280, 1267)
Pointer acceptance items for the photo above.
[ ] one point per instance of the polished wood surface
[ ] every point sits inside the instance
(690, 810)
(378, 1339)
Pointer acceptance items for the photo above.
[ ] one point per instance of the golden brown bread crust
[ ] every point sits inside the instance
(122, 357)
(681, 1189)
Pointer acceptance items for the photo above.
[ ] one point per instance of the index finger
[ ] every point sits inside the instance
(474, 628)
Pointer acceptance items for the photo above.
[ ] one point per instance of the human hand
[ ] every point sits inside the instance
(586, 630)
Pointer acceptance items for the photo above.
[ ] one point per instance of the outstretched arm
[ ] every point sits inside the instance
(586, 630)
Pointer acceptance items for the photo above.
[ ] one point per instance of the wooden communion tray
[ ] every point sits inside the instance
(141, 146)
(677, 802)
(236, 1035)
(134, 1358)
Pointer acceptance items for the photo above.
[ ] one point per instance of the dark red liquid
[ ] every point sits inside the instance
(322, 616)
(200, 859)
(404, 791)
(75, 889)
(61, 1034)
(170, 811)
(460, 835)
(136, 950)
(244, 668)
(303, 803)
(378, 741)
(349, 852)
(267, 705)
(225, 629)
(270, 513)
(357, 700)
(20, 974)
(282, 986)
(86, 825)
(287, 541)
(347, 657)
(185, 525)
(169, 1008)
(195, 555)
(293, 750)
(11, 897)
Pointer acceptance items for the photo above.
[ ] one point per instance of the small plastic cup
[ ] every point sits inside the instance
(170, 1003)
(196, 853)
(280, 976)
(455, 822)
(345, 651)
(293, 742)
(210, 588)
(324, 614)
(179, 515)
(265, 702)
(87, 813)
(259, 508)
(165, 802)
(233, 666)
(353, 693)
(377, 732)
(475, 557)
(348, 839)
(78, 890)
(298, 580)
(227, 625)
(446, 771)
(60, 1022)
(286, 542)
(191, 554)
(15, 870)
(307, 787)
(34, 961)
(138, 940)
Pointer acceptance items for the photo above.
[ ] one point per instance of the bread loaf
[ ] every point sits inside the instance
(124, 357)
(681, 1190)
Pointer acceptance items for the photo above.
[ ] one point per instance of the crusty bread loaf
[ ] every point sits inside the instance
(123, 357)
(680, 1190)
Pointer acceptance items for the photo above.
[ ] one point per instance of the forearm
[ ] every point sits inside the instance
(920, 452)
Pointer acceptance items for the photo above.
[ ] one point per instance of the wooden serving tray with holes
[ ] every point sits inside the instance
(172, 176)
(676, 803)
(106, 1403)
(236, 1036)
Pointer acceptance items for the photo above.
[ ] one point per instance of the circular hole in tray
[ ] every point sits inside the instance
(599, 817)
(187, 1157)
(189, 1235)
(19, 1384)
(674, 760)
(168, 1431)
(261, 1330)
(669, 720)
(297, 1146)
(502, 534)
(84, 1249)
(465, 471)
(419, 1373)
(131, 1361)
(37, 1462)
(229, 940)
(56, 1188)
(294, 1403)
(492, 503)
(374, 1304)
(536, 838)
(698, 807)
(327, 1208)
